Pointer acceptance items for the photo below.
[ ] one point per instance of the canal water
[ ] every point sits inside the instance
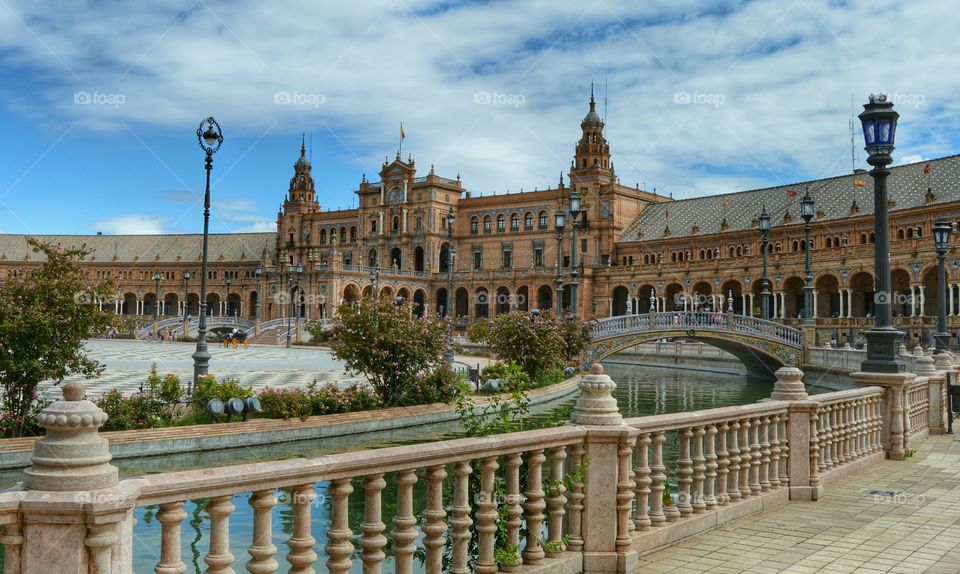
(641, 390)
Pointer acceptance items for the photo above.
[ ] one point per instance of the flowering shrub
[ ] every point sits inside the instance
(509, 372)
(12, 426)
(388, 344)
(440, 386)
(285, 403)
(326, 400)
(129, 413)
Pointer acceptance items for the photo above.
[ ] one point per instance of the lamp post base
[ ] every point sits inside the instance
(201, 360)
(882, 351)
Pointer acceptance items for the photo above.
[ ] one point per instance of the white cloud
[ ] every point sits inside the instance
(259, 227)
(132, 224)
(770, 82)
(912, 158)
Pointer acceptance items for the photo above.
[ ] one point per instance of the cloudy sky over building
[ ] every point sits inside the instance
(101, 100)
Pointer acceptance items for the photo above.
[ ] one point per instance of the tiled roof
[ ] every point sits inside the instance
(907, 186)
(148, 248)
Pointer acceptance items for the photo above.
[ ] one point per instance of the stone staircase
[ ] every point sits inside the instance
(269, 337)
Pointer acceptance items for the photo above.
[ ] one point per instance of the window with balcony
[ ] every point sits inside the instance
(501, 224)
(507, 259)
(477, 260)
(543, 220)
(528, 222)
(538, 257)
(474, 225)
(487, 224)
(514, 222)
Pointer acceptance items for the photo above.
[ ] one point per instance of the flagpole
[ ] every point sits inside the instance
(400, 151)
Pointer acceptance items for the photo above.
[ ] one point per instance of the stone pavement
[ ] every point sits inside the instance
(128, 363)
(911, 525)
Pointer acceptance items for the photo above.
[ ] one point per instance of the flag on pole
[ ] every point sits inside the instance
(926, 169)
(402, 134)
(666, 213)
(791, 193)
(858, 183)
(724, 204)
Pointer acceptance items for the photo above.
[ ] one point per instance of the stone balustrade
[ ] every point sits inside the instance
(585, 497)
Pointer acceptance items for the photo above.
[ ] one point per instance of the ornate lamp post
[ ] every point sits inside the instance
(879, 122)
(575, 212)
(186, 295)
(941, 240)
(156, 303)
(294, 301)
(375, 282)
(558, 223)
(448, 353)
(765, 293)
(210, 138)
(806, 211)
(256, 308)
(228, 280)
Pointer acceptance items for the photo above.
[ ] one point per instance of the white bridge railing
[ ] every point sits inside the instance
(626, 324)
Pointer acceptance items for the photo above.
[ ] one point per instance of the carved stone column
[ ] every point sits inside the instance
(789, 385)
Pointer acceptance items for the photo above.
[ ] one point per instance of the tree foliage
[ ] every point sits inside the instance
(389, 345)
(539, 343)
(46, 312)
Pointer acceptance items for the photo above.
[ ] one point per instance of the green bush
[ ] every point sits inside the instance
(130, 413)
(547, 378)
(440, 386)
(285, 403)
(479, 332)
(509, 372)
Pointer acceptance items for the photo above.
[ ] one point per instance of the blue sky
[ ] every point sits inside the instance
(100, 100)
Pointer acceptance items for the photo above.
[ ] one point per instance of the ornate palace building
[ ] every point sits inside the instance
(634, 249)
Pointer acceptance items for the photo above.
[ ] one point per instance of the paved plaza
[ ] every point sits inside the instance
(912, 526)
(127, 364)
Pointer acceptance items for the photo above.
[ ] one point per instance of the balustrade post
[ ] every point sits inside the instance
(514, 498)
(372, 526)
(434, 515)
(533, 507)
(773, 434)
(404, 533)
(301, 555)
(684, 473)
(339, 548)
(745, 458)
(555, 498)
(658, 481)
(486, 518)
(723, 465)
(606, 480)
(803, 451)
(710, 477)
(642, 481)
(92, 526)
(733, 478)
(461, 520)
(625, 486)
(892, 425)
(755, 457)
(262, 550)
(764, 438)
(219, 558)
(170, 516)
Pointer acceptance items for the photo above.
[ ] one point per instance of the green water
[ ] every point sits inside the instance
(640, 391)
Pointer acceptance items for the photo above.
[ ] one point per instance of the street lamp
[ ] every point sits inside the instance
(210, 138)
(575, 212)
(375, 282)
(806, 211)
(186, 295)
(941, 240)
(558, 223)
(448, 352)
(156, 303)
(294, 301)
(228, 280)
(879, 122)
(256, 308)
(765, 293)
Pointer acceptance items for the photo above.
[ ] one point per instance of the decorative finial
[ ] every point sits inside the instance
(303, 144)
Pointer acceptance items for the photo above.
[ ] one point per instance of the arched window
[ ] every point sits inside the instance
(420, 222)
(514, 222)
(353, 234)
(474, 224)
(900, 234)
(543, 219)
(343, 235)
(673, 257)
(919, 232)
(323, 236)
(829, 242)
(863, 238)
(373, 226)
(396, 222)
(501, 223)
(528, 222)
(487, 224)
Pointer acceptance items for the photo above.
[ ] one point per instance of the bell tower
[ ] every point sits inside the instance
(592, 158)
(300, 197)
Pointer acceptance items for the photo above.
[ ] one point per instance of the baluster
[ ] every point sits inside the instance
(684, 473)
(733, 480)
(814, 448)
(533, 507)
(339, 548)
(262, 550)
(710, 479)
(372, 526)
(863, 444)
(641, 477)
(486, 517)
(461, 520)
(723, 465)
(755, 457)
(832, 434)
(624, 493)
(784, 450)
(218, 558)
(840, 434)
(764, 435)
(849, 449)
(435, 527)
(301, 555)
(745, 458)
(699, 469)
(823, 461)
(100, 539)
(556, 502)
(575, 502)
(514, 508)
(404, 533)
(773, 433)
(877, 424)
(170, 516)
(657, 517)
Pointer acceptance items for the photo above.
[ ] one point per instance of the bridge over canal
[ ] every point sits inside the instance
(763, 346)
